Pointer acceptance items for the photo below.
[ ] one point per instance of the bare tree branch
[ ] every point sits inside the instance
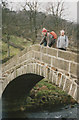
(56, 9)
(61, 10)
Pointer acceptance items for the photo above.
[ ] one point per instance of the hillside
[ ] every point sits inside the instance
(24, 30)
(20, 24)
(15, 47)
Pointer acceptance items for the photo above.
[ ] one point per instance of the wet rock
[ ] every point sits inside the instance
(66, 107)
(72, 106)
(22, 108)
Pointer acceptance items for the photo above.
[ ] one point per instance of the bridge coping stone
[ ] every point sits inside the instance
(50, 57)
(37, 70)
(60, 57)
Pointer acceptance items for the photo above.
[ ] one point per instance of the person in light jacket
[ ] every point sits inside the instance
(62, 41)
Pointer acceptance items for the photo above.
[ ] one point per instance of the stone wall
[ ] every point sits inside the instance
(60, 67)
(62, 60)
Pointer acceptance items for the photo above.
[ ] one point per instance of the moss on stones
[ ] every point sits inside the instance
(46, 95)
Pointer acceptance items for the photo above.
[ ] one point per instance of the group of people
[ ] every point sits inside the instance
(50, 39)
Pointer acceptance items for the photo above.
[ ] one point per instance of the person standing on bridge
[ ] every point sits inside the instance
(52, 36)
(62, 41)
(44, 39)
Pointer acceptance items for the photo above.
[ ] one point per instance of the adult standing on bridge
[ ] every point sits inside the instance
(44, 39)
(52, 36)
(62, 41)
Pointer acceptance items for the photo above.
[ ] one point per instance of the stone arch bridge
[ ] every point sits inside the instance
(60, 67)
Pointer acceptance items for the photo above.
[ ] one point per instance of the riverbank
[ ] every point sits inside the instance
(44, 100)
(45, 96)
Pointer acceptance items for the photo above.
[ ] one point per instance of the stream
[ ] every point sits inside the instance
(57, 112)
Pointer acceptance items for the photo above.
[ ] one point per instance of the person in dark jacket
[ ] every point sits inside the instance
(44, 39)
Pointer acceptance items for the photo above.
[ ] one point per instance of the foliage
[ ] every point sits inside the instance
(46, 96)
(24, 27)
(13, 51)
(18, 24)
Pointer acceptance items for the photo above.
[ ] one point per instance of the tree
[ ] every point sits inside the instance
(33, 8)
(56, 9)
(8, 39)
(4, 4)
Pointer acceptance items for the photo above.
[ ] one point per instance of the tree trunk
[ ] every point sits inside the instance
(31, 21)
(8, 51)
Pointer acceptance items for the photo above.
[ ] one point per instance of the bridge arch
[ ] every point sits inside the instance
(46, 63)
(38, 72)
(20, 86)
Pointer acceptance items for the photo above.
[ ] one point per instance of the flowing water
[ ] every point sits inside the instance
(66, 112)
(57, 112)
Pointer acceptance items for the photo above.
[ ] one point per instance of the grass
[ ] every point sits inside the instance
(19, 41)
(13, 51)
(45, 95)
(51, 89)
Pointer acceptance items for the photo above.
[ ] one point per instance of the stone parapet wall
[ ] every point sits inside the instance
(62, 60)
(60, 67)
(36, 67)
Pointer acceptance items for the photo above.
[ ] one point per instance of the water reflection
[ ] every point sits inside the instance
(64, 112)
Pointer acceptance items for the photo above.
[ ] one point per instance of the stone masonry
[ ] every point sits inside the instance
(60, 67)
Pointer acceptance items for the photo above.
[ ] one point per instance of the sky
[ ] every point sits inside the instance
(70, 5)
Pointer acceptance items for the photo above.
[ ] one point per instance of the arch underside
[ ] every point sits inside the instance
(36, 71)
(21, 86)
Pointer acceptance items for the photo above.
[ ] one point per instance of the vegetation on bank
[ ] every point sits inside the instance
(24, 27)
(15, 45)
(46, 96)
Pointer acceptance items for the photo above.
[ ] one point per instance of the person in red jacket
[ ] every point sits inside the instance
(44, 39)
(52, 36)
